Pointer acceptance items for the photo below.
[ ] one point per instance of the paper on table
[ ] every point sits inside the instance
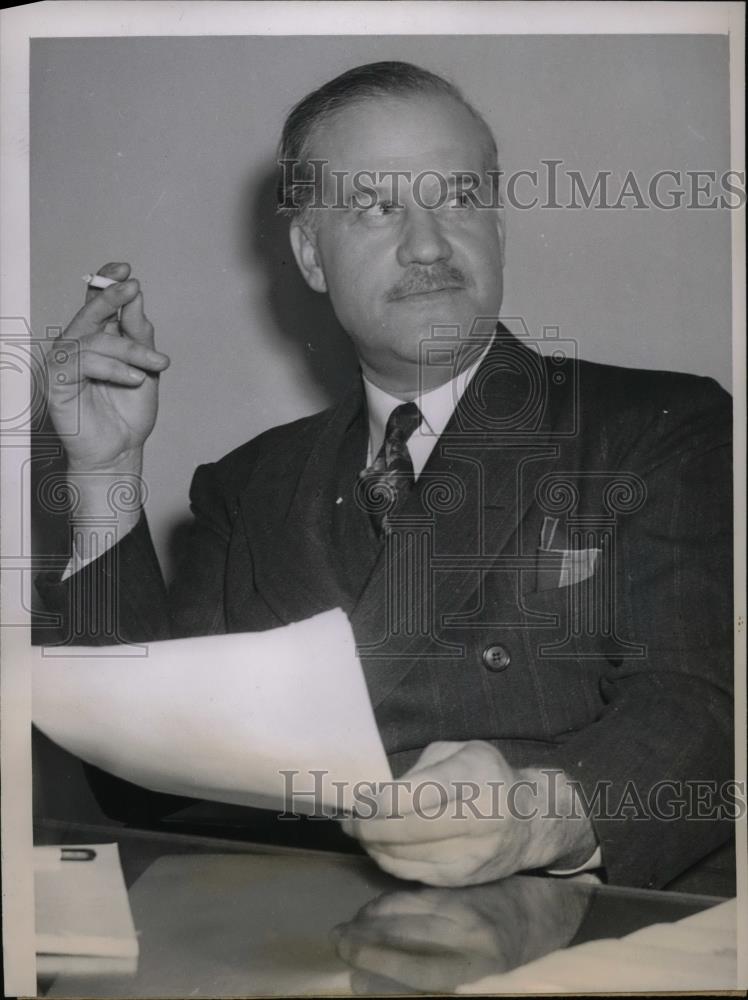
(220, 717)
(80, 902)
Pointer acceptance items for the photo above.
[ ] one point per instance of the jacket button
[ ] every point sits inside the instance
(496, 658)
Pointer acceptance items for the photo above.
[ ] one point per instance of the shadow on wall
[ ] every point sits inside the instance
(303, 319)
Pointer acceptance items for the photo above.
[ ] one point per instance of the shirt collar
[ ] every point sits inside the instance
(436, 406)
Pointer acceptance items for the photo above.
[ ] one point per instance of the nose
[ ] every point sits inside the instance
(423, 240)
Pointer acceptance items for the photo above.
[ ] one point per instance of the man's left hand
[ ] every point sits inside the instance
(462, 815)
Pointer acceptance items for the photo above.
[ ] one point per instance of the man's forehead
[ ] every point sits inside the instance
(409, 134)
(441, 160)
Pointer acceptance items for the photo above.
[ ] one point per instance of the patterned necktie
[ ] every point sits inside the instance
(389, 479)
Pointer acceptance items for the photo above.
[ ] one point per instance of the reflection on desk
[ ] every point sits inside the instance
(220, 918)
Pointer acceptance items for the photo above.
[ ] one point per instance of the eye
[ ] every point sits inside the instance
(380, 209)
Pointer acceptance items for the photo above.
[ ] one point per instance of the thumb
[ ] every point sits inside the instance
(135, 323)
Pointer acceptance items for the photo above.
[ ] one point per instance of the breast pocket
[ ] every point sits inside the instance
(559, 568)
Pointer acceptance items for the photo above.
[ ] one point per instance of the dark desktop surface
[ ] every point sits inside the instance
(217, 916)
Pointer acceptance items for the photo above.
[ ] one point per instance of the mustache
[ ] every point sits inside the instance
(417, 280)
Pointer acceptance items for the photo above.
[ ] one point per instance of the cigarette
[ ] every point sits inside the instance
(98, 280)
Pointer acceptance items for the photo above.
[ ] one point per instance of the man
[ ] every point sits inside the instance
(533, 554)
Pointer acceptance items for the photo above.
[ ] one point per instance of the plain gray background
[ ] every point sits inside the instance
(160, 151)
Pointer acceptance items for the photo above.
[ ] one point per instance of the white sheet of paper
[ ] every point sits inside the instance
(81, 904)
(219, 717)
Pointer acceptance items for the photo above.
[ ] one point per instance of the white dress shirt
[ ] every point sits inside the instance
(436, 406)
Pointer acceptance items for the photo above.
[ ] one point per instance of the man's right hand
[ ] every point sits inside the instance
(103, 401)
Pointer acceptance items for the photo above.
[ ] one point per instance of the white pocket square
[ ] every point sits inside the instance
(564, 567)
(561, 567)
(577, 565)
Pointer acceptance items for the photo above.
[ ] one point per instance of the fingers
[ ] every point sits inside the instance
(115, 271)
(434, 799)
(408, 849)
(456, 762)
(407, 827)
(104, 369)
(447, 826)
(102, 306)
(131, 351)
(111, 313)
(459, 870)
(435, 753)
(103, 355)
(134, 321)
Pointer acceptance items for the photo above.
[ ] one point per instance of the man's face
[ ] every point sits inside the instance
(394, 266)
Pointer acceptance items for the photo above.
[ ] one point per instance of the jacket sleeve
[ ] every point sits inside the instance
(655, 763)
(121, 596)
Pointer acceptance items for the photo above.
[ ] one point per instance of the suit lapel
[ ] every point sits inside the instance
(495, 448)
(288, 517)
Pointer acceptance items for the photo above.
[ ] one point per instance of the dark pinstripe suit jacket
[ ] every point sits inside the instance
(622, 679)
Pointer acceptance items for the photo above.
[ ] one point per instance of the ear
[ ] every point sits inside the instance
(305, 250)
